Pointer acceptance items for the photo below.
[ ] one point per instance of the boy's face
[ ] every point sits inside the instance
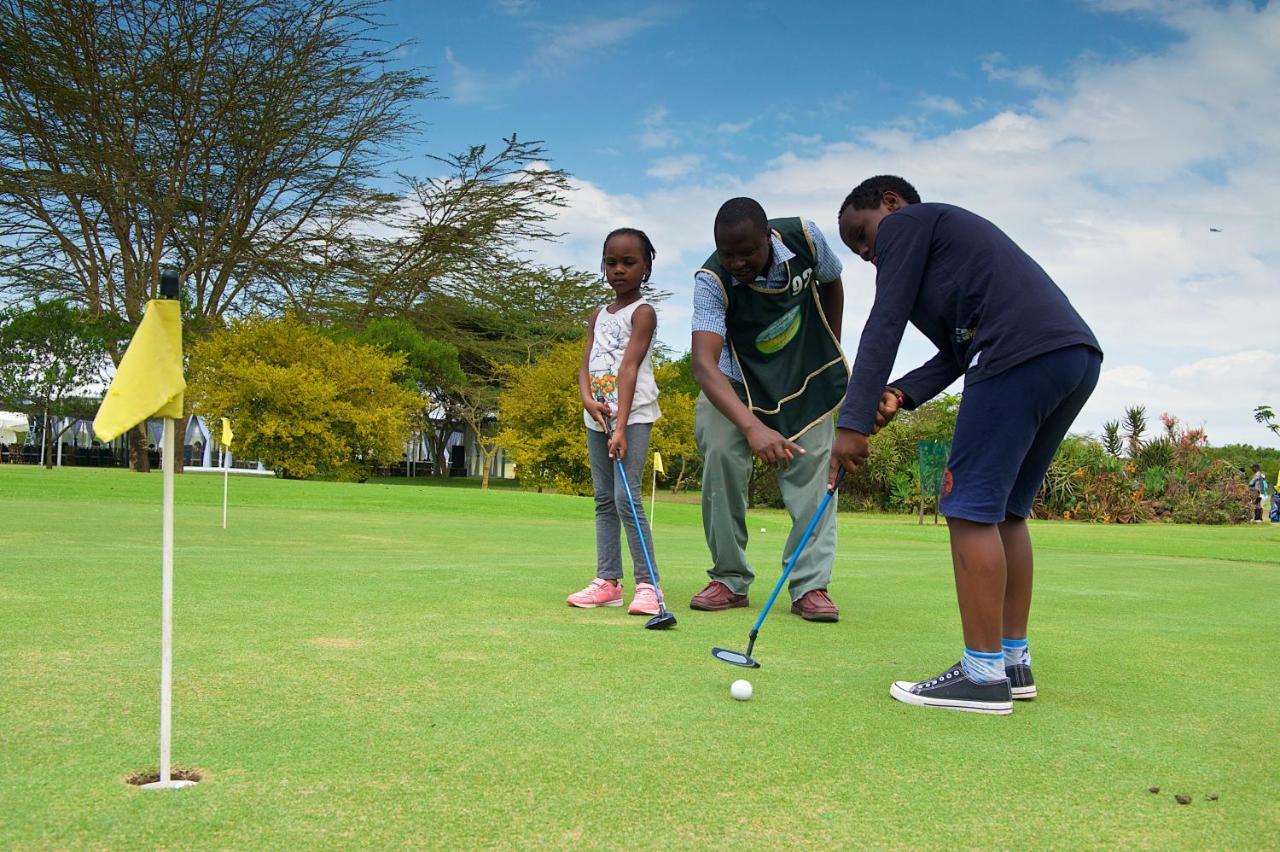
(743, 249)
(858, 228)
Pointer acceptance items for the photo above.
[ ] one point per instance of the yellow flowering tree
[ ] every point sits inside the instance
(304, 404)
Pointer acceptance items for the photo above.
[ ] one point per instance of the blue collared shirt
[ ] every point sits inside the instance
(708, 301)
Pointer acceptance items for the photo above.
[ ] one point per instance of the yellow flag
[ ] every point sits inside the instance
(227, 434)
(149, 380)
(657, 464)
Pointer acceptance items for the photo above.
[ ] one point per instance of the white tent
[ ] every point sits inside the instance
(11, 425)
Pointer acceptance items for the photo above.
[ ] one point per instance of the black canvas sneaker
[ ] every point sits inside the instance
(1021, 684)
(952, 690)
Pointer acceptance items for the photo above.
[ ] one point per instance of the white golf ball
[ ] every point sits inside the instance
(741, 689)
(762, 529)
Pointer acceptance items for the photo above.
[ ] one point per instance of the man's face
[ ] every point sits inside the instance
(858, 228)
(743, 249)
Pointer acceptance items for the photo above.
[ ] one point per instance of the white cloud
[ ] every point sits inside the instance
(514, 8)
(470, 86)
(1110, 179)
(801, 140)
(937, 103)
(1028, 77)
(656, 134)
(565, 46)
(731, 127)
(669, 168)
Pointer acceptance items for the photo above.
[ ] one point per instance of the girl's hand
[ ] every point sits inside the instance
(618, 444)
(599, 410)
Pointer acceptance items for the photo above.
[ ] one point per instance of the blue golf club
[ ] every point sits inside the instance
(664, 619)
(735, 658)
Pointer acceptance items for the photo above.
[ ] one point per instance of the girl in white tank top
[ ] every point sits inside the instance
(616, 384)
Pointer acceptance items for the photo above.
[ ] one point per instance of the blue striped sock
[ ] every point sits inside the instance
(1016, 652)
(983, 666)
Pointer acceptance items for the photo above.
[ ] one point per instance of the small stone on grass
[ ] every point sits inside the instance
(1182, 799)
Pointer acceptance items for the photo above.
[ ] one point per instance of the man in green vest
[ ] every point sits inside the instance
(766, 353)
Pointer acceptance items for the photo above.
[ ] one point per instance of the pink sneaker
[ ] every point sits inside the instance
(645, 601)
(599, 593)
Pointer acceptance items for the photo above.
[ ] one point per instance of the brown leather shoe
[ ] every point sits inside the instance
(716, 596)
(816, 605)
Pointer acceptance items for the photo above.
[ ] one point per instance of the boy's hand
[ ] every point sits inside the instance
(771, 447)
(599, 409)
(889, 405)
(618, 444)
(849, 450)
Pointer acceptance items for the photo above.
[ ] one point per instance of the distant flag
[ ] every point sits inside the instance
(653, 490)
(149, 380)
(227, 435)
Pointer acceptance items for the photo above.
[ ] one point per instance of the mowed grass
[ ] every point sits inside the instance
(370, 665)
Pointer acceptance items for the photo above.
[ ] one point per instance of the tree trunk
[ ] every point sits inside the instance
(487, 453)
(438, 438)
(46, 445)
(139, 461)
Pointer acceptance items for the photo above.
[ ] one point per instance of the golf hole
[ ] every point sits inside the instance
(137, 779)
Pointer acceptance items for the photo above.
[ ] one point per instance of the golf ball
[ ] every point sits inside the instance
(762, 529)
(741, 689)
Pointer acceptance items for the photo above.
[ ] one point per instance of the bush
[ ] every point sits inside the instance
(303, 403)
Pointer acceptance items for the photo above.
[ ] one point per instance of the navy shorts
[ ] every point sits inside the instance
(1007, 430)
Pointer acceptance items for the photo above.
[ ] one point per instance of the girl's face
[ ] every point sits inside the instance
(625, 263)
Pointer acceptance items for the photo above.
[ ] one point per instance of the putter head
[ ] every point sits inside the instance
(734, 658)
(662, 621)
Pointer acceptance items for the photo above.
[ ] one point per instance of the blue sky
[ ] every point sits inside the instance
(619, 89)
(1105, 136)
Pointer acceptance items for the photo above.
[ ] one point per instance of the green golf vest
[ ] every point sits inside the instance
(791, 362)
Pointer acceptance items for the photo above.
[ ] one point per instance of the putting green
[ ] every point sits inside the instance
(388, 664)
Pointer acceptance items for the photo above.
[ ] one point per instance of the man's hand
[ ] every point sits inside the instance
(771, 447)
(618, 444)
(849, 450)
(598, 409)
(889, 405)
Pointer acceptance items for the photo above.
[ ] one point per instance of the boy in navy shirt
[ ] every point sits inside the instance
(1030, 363)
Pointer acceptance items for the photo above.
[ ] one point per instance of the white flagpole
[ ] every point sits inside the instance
(653, 496)
(224, 493)
(166, 617)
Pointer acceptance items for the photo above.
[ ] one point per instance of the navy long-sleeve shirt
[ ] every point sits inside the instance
(979, 298)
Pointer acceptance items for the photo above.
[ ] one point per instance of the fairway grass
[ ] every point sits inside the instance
(389, 665)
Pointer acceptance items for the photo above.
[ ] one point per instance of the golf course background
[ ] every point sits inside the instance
(391, 664)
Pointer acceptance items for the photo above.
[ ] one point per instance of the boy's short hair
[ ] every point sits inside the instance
(867, 195)
(741, 209)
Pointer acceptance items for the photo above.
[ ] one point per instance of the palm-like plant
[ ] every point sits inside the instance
(1111, 441)
(1135, 424)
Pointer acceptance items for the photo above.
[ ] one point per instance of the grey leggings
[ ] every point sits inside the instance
(612, 505)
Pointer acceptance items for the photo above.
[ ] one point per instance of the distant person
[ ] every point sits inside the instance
(616, 383)
(1029, 364)
(1274, 514)
(1258, 490)
(767, 307)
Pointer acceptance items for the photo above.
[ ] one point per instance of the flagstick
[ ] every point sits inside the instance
(224, 493)
(166, 619)
(653, 496)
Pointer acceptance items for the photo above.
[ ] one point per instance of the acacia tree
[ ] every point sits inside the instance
(431, 370)
(238, 139)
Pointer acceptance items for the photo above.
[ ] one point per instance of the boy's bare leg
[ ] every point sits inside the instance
(978, 558)
(1017, 586)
